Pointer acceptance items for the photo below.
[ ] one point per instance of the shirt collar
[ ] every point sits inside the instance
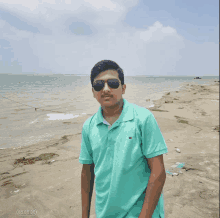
(126, 114)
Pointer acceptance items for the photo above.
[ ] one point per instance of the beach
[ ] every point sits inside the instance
(45, 178)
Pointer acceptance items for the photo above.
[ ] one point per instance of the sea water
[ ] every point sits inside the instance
(38, 107)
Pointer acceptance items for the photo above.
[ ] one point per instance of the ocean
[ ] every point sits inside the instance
(38, 107)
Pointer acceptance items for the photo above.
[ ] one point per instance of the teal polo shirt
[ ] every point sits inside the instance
(119, 154)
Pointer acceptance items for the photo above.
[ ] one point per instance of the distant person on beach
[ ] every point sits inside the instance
(122, 150)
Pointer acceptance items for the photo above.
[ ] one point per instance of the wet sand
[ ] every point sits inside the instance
(45, 178)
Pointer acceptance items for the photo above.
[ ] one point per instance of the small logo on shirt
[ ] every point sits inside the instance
(130, 137)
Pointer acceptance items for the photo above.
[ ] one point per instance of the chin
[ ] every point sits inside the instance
(107, 103)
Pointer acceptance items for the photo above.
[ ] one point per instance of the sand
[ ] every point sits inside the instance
(45, 178)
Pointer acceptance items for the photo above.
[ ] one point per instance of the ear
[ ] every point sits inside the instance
(123, 89)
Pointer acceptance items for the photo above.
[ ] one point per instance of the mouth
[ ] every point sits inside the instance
(107, 97)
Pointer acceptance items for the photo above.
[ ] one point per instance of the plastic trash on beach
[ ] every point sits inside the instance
(174, 170)
(178, 150)
(50, 162)
(180, 165)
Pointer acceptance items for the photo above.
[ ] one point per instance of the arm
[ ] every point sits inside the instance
(154, 187)
(87, 182)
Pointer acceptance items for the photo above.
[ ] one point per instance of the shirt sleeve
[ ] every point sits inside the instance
(86, 156)
(153, 143)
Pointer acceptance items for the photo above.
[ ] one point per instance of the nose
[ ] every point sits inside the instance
(106, 87)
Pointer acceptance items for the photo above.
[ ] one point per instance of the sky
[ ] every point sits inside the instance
(144, 37)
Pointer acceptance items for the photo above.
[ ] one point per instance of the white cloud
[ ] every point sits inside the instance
(37, 6)
(105, 12)
(158, 50)
(157, 32)
(75, 53)
(103, 5)
(20, 4)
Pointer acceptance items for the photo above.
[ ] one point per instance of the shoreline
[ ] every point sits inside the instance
(35, 118)
(46, 176)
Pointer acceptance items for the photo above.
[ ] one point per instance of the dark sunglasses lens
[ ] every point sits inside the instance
(113, 83)
(98, 85)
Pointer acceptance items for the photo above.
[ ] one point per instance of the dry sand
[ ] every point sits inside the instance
(45, 178)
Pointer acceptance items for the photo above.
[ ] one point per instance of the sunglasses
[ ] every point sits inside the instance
(99, 84)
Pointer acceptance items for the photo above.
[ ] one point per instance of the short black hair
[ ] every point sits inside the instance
(104, 65)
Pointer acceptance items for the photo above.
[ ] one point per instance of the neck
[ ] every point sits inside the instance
(113, 112)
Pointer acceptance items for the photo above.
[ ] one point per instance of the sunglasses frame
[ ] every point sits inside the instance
(104, 83)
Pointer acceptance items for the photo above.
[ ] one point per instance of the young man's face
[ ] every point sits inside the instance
(115, 94)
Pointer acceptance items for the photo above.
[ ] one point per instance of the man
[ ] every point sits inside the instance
(122, 148)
